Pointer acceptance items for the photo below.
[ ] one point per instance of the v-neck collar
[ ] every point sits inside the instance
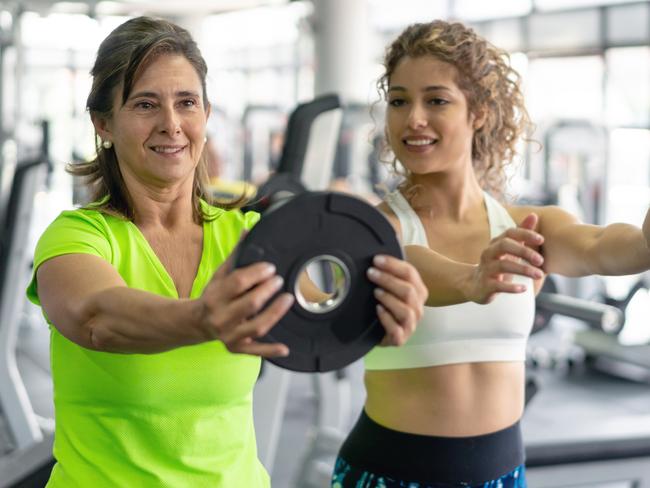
(160, 268)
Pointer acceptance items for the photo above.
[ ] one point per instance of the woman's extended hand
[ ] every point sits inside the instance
(401, 295)
(511, 253)
(228, 308)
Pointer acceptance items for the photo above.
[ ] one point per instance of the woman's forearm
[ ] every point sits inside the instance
(448, 281)
(583, 250)
(126, 320)
(90, 304)
(620, 249)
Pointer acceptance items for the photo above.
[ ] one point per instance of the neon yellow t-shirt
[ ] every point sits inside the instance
(181, 418)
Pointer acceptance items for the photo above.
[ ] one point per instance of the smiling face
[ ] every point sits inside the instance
(428, 123)
(158, 133)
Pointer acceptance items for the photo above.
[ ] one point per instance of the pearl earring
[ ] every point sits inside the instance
(107, 144)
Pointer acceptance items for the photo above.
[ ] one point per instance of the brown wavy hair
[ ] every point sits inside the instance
(121, 59)
(489, 83)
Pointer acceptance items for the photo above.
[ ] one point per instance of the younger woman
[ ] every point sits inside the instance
(444, 409)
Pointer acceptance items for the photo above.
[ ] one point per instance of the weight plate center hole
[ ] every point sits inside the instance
(322, 284)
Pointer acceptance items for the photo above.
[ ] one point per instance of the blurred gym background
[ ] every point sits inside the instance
(586, 71)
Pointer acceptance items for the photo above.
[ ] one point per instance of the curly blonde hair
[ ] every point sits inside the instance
(489, 83)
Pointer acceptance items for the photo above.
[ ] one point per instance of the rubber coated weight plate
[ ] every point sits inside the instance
(340, 229)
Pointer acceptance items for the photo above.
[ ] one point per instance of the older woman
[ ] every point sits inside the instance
(144, 314)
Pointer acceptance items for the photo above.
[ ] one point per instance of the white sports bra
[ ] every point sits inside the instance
(466, 332)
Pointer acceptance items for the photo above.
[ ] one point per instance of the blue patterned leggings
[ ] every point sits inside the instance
(346, 476)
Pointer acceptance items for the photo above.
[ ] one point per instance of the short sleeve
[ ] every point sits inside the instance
(72, 232)
(250, 219)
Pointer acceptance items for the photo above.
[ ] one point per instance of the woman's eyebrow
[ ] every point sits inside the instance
(151, 94)
(425, 89)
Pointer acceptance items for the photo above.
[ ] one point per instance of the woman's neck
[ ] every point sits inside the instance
(445, 195)
(162, 207)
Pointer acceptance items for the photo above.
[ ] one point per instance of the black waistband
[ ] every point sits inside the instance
(413, 457)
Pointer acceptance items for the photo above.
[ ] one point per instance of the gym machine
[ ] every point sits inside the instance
(306, 163)
(583, 428)
(262, 126)
(576, 176)
(25, 437)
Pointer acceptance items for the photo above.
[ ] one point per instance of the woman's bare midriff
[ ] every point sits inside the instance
(457, 400)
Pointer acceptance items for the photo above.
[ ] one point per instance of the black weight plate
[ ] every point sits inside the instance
(315, 224)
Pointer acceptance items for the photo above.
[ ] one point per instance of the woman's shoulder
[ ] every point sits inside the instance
(519, 212)
(215, 212)
(88, 215)
(220, 217)
(211, 210)
(548, 214)
(81, 230)
(88, 223)
(390, 214)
